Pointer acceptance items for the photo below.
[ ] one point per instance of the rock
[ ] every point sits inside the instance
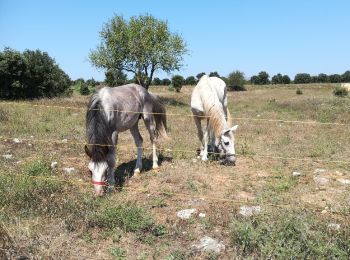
(296, 174)
(209, 244)
(248, 211)
(320, 171)
(54, 165)
(344, 181)
(8, 156)
(186, 213)
(17, 141)
(69, 170)
(64, 140)
(321, 180)
(201, 215)
(333, 226)
(324, 211)
(194, 160)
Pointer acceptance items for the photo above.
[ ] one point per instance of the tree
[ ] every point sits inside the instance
(286, 79)
(115, 78)
(214, 74)
(322, 78)
(263, 78)
(190, 81)
(177, 82)
(302, 78)
(31, 74)
(235, 81)
(277, 79)
(199, 75)
(346, 77)
(92, 82)
(335, 78)
(157, 82)
(254, 80)
(84, 89)
(140, 46)
(166, 82)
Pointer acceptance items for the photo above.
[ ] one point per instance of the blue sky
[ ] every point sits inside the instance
(286, 36)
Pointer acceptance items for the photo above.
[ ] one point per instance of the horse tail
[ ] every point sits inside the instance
(159, 114)
(97, 130)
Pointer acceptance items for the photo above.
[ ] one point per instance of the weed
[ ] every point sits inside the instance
(340, 92)
(118, 253)
(177, 255)
(299, 91)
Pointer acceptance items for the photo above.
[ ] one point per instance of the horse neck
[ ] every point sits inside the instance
(217, 121)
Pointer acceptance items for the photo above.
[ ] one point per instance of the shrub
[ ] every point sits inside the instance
(214, 74)
(199, 75)
(177, 82)
(84, 89)
(235, 81)
(31, 74)
(302, 78)
(166, 82)
(299, 91)
(190, 81)
(157, 82)
(340, 91)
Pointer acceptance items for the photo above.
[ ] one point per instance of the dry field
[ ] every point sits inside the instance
(51, 214)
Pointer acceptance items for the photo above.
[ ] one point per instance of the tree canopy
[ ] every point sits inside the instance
(140, 46)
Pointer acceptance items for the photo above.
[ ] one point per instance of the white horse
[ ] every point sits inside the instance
(209, 102)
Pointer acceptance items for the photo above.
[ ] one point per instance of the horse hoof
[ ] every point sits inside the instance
(204, 159)
(137, 172)
(155, 167)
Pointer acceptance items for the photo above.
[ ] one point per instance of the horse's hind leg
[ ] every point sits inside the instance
(138, 141)
(149, 122)
(197, 120)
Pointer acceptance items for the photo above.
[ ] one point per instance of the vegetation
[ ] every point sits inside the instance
(31, 74)
(236, 81)
(140, 46)
(115, 78)
(177, 82)
(190, 81)
(261, 79)
(340, 91)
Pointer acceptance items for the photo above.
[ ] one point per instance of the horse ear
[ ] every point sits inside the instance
(87, 151)
(234, 128)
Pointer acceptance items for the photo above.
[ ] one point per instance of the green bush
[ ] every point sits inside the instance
(299, 91)
(31, 74)
(340, 91)
(235, 81)
(84, 89)
(177, 82)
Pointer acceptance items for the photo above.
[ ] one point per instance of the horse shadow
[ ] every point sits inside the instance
(126, 170)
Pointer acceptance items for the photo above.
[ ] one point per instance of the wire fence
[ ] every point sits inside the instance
(308, 122)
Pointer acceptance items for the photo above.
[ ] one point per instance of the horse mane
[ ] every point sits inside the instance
(97, 130)
(213, 109)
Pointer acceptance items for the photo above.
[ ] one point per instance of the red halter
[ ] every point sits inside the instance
(101, 183)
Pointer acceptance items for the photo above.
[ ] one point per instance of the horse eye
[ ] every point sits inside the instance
(226, 143)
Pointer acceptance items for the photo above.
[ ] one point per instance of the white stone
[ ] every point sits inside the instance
(296, 174)
(8, 156)
(344, 181)
(54, 165)
(209, 244)
(321, 180)
(201, 215)
(64, 140)
(334, 226)
(320, 171)
(248, 211)
(69, 170)
(17, 141)
(186, 213)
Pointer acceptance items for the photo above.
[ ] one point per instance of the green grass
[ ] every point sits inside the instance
(288, 235)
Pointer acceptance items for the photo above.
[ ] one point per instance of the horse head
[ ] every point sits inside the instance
(226, 146)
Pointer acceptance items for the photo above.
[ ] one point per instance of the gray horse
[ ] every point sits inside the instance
(115, 110)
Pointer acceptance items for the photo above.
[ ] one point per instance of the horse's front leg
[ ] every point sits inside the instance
(204, 154)
(149, 122)
(138, 142)
(111, 160)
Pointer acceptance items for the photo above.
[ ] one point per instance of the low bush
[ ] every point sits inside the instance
(340, 92)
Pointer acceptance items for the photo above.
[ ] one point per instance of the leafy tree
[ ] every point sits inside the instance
(157, 82)
(254, 80)
(166, 82)
(346, 76)
(286, 79)
(263, 78)
(335, 78)
(214, 74)
(31, 74)
(115, 78)
(235, 81)
(177, 82)
(92, 82)
(277, 79)
(140, 46)
(322, 78)
(302, 78)
(78, 81)
(199, 75)
(190, 81)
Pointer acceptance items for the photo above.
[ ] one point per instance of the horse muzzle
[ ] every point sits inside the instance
(230, 159)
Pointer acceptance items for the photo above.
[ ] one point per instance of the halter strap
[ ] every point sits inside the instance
(101, 183)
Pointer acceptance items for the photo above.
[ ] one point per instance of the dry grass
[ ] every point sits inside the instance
(60, 222)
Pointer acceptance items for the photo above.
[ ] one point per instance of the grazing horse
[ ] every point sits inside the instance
(209, 102)
(114, 110)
